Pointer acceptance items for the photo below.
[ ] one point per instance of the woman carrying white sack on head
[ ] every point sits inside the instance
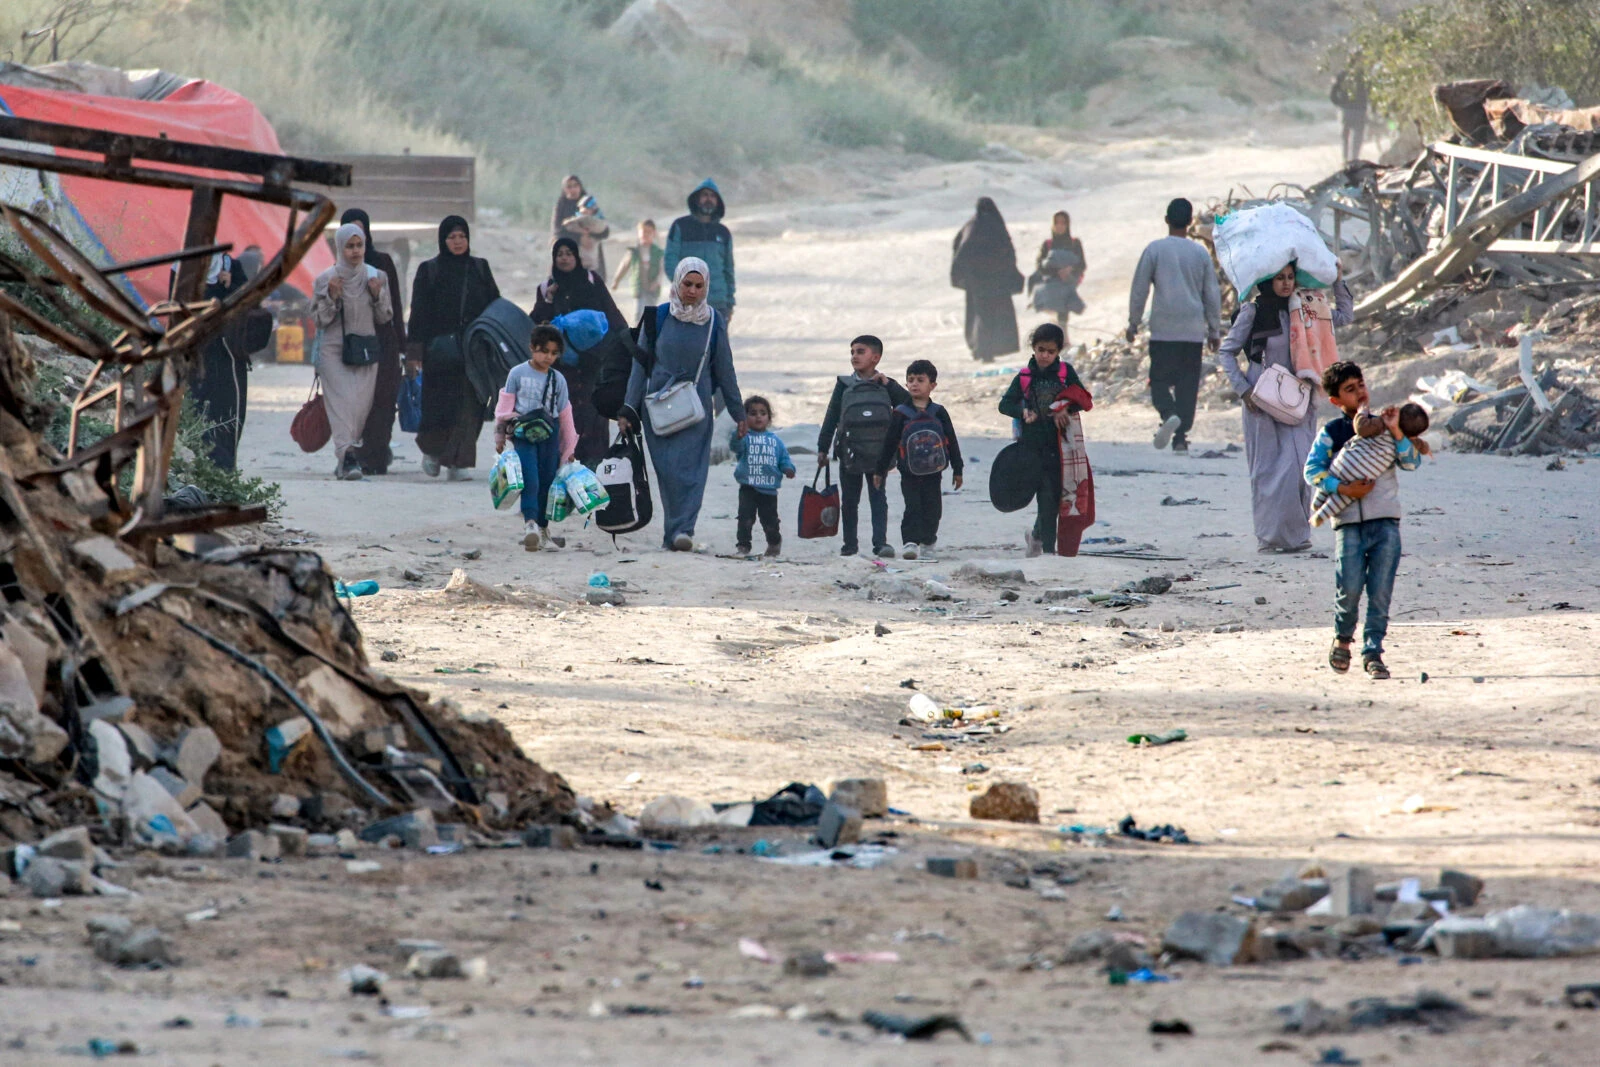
(687, 342)
(1289, 328)
(349, 301)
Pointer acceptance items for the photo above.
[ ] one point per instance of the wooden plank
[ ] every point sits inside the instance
(122, 147)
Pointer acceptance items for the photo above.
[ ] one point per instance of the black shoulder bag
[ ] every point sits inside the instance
(359, 349)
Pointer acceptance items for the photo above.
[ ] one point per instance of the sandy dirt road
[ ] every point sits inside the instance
(725, 679)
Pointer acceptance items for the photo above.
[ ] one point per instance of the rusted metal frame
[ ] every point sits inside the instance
(74, 270)
(87, 399)
(205, 252)
(121, 148)
(200, 520)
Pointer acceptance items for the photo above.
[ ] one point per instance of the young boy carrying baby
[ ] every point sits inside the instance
(1367, 529)
(534, 413)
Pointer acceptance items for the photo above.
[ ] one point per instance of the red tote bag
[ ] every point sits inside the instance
(819, 508)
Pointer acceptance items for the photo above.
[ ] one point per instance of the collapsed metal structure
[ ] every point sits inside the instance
(141, 370)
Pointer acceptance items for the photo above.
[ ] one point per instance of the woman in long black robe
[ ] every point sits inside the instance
(985, 265)
(572, 288)
(449, 291)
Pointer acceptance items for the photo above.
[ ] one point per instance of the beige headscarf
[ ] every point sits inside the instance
(698, 314)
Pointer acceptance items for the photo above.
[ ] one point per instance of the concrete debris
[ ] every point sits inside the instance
(951, 867)
(673, 813)
(838, 825)
(197, 751)
(1007, 801)
(254, 845)
(115, 940)
(869, 796)
(69, 844)
(434, 963)
(105, 560)
(992, 573)
(1213, 937)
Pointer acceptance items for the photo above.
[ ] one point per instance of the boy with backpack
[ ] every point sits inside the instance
(854, 430)
(921, 442)
(1047, 397)
(534, 413)
(763, 463)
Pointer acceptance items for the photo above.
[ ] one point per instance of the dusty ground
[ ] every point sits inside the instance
(725, 679)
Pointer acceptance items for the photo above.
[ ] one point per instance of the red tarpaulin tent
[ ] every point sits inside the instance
(114, 221)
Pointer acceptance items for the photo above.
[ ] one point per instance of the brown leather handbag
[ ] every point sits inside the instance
(310, 428)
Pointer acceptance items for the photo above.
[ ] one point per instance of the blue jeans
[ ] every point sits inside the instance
(1366, 556)
(539, 463)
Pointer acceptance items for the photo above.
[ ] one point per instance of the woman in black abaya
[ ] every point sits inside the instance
(450, 290)
(985, 265)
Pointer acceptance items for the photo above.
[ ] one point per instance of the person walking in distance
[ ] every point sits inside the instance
(701, 235)
(1185, 318)
(1350, 96)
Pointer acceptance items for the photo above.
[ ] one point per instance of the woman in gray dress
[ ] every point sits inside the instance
(1280, 499)
(691, 345)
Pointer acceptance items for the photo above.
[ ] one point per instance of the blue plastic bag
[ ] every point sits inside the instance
(409, 404)
(582, 330)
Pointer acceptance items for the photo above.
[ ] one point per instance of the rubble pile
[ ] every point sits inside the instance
(177, 700)
(1116, 369)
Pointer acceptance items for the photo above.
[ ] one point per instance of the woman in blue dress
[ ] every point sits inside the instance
(690, 344)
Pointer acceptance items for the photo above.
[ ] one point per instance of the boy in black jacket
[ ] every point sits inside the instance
(855, 429)
(921, 443)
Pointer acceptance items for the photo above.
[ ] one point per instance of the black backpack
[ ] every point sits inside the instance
(864, 413)
(622, 473)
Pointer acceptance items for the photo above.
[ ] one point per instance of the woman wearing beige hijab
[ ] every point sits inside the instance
(349, 301)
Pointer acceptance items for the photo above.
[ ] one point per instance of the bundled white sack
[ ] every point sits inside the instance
(1258, 242)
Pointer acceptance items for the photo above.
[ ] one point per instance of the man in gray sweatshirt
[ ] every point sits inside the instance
(1185, 317)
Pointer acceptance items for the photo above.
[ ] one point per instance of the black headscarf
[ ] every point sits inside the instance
(361, 218)
(1270, 309)
(573, 290)
(984, 253)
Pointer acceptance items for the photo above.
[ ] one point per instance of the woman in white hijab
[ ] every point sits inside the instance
(687, 341)
(348, 301)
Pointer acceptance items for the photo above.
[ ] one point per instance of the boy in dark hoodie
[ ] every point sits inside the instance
(702, 235)
(854, 429)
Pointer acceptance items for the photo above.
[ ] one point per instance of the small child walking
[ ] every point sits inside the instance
(1367, 530)
(763, 464)
(534, 413)
(642, 269)
(921, 443)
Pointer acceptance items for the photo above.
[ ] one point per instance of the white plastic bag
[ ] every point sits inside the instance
(583, 488)
(1258, 242)
(505, 480)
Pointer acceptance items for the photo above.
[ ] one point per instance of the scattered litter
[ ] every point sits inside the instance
(1174, 502)
(1128, 828)
(915, 1029)
(1172, 1027)
(1167, 738)
(753, 949)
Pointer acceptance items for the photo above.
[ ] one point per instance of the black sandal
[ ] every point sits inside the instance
(1339, 657)
(1375, 668)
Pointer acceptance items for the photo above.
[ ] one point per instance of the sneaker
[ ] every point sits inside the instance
(909, 551)
(741, 549)
(460, 474)
(884, 552)
(848, 550)
(551, 541)
(683, 543)
(774, 549)
(430, 466)
(1164, 434)
(1375, 668)
(350, 470)
(530, 535)
(1180, 443)
(1034, 547)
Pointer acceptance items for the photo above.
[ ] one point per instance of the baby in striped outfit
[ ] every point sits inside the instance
(1367, 455)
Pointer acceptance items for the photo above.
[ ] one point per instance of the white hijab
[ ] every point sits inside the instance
(698, 314)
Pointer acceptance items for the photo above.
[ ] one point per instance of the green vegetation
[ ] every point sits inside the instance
(1551, 42)
(534, 88)
(1014, 60)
